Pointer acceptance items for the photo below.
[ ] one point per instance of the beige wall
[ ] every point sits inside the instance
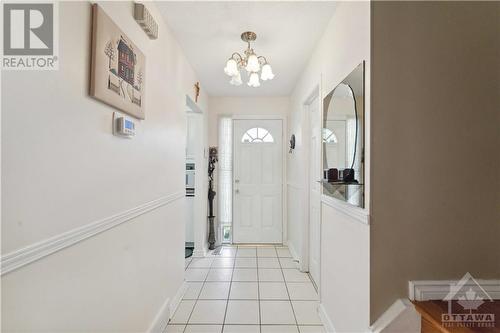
(62, 169)
(435, 144)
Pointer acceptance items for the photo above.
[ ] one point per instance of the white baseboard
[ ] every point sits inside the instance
(296, 257)
(438, 289)
(327, 323)
(160, 322)
(200, 253)
(177, 299)
(167, 311)
(401, 316)
(292, 250)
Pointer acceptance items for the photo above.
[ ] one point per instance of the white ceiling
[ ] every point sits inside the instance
(209, 32)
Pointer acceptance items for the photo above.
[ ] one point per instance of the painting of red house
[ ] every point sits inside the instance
(126, 62)
(117, 76)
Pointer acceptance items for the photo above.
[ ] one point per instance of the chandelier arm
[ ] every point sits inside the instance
(262, 58)
(237, 56)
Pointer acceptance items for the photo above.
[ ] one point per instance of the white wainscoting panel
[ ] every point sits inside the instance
(359, 214)
(24, 256)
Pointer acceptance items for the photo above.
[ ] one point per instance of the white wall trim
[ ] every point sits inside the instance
(293, 251)
(192, 105)
(394, 311)
(438, 289)
(327, 322)
(162, 318)
(306, 193)
(359, 214)
(24, 256)
(177, 299)
(167, 310)
(200, 253)
(258, 117)
(296, 186)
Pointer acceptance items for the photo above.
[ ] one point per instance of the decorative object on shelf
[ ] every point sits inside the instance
(196, 91)
(146, 20)
(117, 69)
(251, 62)
(332, 174)
(343, 139)
(212, 160)
(347, 175)
(292, 143)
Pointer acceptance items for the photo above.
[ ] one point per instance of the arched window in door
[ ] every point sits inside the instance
(257, 135)
(329, 136)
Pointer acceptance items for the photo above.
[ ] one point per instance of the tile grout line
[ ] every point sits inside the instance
(288, 293)
(229, 292)
(198, 298)
(258, 288)
(212, 267)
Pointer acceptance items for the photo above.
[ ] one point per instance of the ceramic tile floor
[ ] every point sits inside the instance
(248, 289)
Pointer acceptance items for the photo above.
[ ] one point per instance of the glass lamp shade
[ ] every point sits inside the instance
(236, 80)
(267, 72)
(231, 68)
(254, 80)
(253, 64)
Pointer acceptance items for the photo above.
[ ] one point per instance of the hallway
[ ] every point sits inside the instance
(247, 289)
(334, 153)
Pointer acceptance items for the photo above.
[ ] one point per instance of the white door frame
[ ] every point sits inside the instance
(201, 182)
(284, 149)
(306, 129)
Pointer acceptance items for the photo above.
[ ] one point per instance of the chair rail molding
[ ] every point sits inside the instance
(24, 256)
(359, 214)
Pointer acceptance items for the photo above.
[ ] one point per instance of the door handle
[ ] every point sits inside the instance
(236, 181)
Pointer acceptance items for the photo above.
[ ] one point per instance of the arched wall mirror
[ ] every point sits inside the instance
(343, 139)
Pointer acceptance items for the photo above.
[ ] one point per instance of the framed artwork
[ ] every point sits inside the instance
(117, 68)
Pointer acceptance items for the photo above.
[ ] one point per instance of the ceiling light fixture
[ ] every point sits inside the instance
(249, 61)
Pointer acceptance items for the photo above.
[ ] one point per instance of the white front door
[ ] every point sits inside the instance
(257, 181)
(315, 161)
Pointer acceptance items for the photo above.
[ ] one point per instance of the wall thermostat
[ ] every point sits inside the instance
(123, 126)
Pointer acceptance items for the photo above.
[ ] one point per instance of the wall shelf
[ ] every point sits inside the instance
(340, 183)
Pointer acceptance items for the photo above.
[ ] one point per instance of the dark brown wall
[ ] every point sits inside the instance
(435, 144)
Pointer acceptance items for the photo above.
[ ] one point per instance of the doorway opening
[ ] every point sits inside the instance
(315, 141)
(194, 174)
